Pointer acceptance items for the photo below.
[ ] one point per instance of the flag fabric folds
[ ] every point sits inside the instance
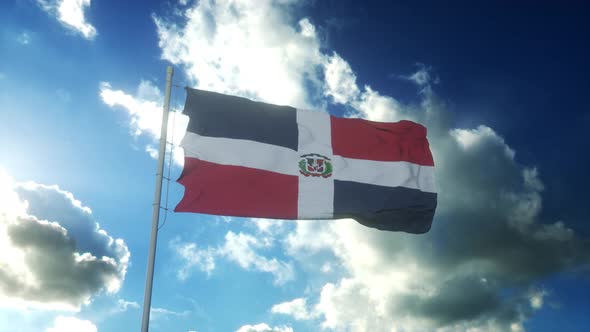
(251, 159)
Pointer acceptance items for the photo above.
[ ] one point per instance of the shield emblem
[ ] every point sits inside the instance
(315, 165)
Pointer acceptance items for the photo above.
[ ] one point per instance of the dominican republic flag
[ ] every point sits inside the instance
(251, 159)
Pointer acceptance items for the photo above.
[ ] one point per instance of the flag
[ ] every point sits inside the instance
(252, 159)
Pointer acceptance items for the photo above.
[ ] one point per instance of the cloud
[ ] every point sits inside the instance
(123, 305)
(24, 38)
(70, 13)
(245, 48)
(269, 226)
(162, 313)
(296, 308)
(340, 80)
(53, 254)
(71, 324)
(241, 249)
(144, 111)
(422, 77)
(191, 257)
(263, 327)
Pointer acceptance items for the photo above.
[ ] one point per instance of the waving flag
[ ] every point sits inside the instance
(252, 159)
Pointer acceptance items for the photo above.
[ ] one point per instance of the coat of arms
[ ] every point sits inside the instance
(315, 165)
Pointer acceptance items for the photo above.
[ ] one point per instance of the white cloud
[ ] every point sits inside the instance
(296, 308)
(53, 255)
(326, 267)
(162, 313)
(245, 48)
(263, 327)
(349, 306)
(191, 256)
(470, 138)
(123, 305)
(70, 13)
(423, 76)
(144, 111)
(269, 226)
(241, 249)
(309, 236)
(340, 80)
(71, 324)
(24, 38)
(372, 105)
(152, 151)
(536, 299)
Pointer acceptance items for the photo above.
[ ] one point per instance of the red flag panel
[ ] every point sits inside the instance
(381, 141)
(237, 191)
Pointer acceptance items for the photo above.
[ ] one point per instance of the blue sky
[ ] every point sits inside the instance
(501, 88)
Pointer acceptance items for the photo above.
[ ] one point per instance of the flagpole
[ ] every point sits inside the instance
(149, 277)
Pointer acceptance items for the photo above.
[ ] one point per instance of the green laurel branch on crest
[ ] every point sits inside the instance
(328, 169)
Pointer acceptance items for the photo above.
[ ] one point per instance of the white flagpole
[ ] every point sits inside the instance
(149, 277)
